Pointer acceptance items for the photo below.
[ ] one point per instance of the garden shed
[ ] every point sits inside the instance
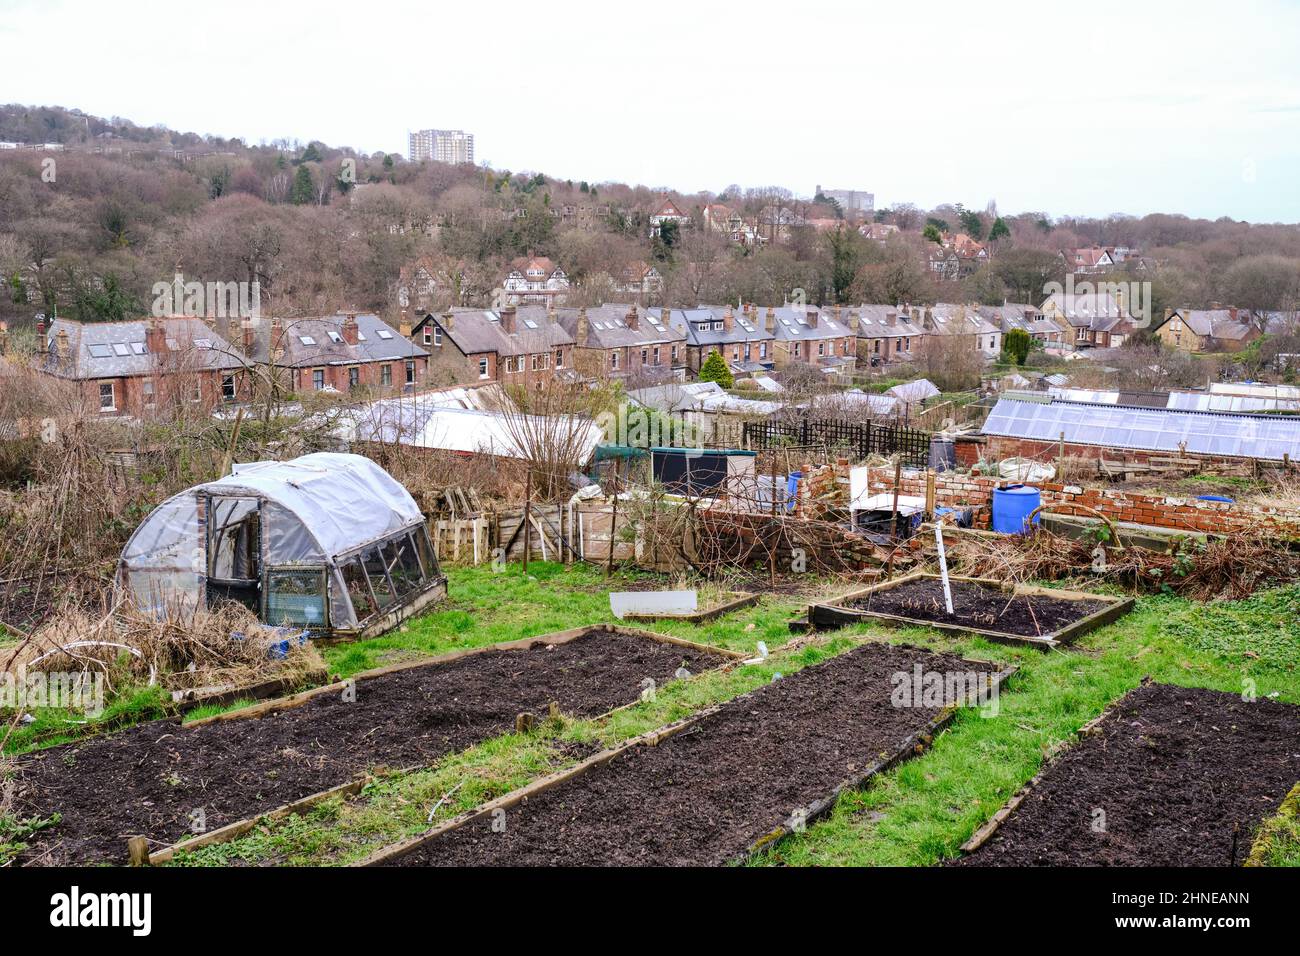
(330, 542)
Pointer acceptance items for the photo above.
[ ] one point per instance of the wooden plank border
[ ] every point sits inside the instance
(914, 744)
(832, 614)
(990, 826)
(557, 637)
(743, 599)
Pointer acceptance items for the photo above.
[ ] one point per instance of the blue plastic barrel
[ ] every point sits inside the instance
(1012, 507)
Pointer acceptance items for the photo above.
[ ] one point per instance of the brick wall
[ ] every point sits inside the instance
(954, 490)
(998, 447)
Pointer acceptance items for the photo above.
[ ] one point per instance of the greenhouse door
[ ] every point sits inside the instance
(235, 551)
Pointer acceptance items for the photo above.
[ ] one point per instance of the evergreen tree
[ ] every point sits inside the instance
(304, 187)
(715, 369)
(1015, 346)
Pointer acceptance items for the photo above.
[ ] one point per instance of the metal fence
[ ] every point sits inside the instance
(862, 438)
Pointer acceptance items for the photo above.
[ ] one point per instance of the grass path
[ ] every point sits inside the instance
(916, 814)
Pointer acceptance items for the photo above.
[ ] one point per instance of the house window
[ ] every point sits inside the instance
(674, 354)
(228, 388)
(318, 379)
(437, 336)
(146, 388)
(821, 348)
(354, 378)
(875, 346)
(386, 375)
(410, 372)
(559, 358)
(762, 350)
(613, 359)
(796, 349)
(735, 353)
(482, 368)
(645, 356)
(107, 397)
(197, 394)
(428, 334)
(510, 365)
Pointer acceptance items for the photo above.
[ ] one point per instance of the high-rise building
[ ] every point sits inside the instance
(851, 200)
(442, 145)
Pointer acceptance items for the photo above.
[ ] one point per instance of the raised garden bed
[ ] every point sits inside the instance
(1030, 615)
(730, 601)
(716, 787)
(148, 779)
(1169, 776)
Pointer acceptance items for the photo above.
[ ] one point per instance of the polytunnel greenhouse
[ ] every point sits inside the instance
(329, 542)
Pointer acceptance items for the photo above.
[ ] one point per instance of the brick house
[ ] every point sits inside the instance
(1097, 319)
(516, 344)
(621, 341)
(138, 367)
(817, 337)
(885, 334)
(341, 353)
(739, 337)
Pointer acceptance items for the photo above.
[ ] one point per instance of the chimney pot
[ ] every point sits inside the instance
(448, 320)
(351, 333)
(633, 320)
(508, 319)
(403, 323)
(584, 328)
(771, 319)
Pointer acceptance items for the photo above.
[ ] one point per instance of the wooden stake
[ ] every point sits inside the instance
(137, 849)
(528, 501)
(613, 523)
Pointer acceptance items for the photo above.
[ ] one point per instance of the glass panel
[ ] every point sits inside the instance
(375, 569)
(421, 536)
(403, 565)
(354, 577)
(296, 597)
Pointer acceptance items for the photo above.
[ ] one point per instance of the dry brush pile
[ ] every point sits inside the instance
(1229, 568)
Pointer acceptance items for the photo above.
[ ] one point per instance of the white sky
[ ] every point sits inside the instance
(1153, 106)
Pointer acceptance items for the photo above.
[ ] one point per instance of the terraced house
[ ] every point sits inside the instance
(622, 342)
(741, 340)
(1207, 330)
(513, 345)
(885, 334)
(820, 338)
(143, 366)
(341, 353)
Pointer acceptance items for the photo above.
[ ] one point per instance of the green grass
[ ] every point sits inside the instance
(917, 814)
(54, 726)
(1278, 840)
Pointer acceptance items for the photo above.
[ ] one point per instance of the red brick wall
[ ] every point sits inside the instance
(955, 490)
(997, 447)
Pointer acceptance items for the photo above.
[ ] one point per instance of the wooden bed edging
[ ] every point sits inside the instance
(653, 738)
(990, 826)
(557, 637)
(238, 828)
(744, 599)
(913, 745)
(831, 613)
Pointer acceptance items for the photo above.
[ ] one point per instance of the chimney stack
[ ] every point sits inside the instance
(771, 319)
(40, 328)
(277, 340)
(248, 337)
(448, 320)
(552, 316)
(61, 346)
(633, 320)
(232, 330)
(155, 337)
(853, 322)
(403, 323)
(728, 320)
(891, 319)
(584, 328)
(351, 333)
(811, 316)
(508, 319)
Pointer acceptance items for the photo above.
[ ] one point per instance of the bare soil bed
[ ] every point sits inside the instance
(705, 795)
(1183, 777)
(977, 606)
(147, 780)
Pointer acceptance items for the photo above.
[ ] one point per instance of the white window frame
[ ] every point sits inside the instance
(112, 397)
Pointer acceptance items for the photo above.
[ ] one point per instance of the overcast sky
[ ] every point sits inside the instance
(1188, 107)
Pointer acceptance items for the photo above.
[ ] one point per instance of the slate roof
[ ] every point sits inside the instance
(475, 331)
(1217, 323)
(608, 327)
(120, 350)
(687, 322)
(873, 322)
(310, 342)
